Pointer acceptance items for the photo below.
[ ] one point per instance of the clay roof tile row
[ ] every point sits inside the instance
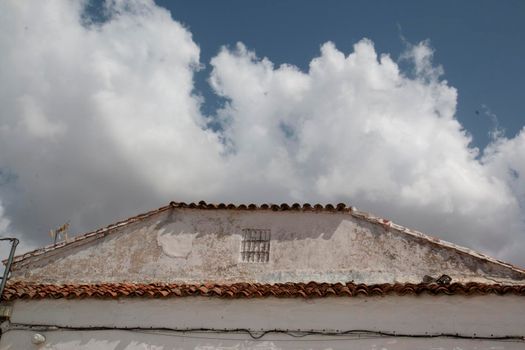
(275, 207)
(20, 290)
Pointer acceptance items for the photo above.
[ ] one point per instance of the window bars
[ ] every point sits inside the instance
(255, 245)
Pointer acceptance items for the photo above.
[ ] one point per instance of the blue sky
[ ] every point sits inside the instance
(480, 44)
(104, 115)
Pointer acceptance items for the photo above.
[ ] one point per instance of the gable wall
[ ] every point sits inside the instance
(188, 245)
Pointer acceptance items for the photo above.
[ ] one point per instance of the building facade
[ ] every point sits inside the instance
(202, 276)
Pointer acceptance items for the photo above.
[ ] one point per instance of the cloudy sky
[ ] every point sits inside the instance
(411, 112)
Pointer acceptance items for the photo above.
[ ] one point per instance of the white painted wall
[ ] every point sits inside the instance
(124, 340)
(481, 316)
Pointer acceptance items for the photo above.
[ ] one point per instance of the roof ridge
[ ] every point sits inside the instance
(338, 208)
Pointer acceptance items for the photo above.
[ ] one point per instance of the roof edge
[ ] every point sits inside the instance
(433, 240)
(91, 234)
(20, 290)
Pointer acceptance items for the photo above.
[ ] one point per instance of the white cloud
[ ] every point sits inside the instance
(100, 121)
(504, 159)
(353, 128)
(4, 222)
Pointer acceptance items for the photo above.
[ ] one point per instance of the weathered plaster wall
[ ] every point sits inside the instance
(483, 316)
(185, 245)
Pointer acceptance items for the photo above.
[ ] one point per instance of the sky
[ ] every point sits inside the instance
(409, 110)
(479, 43)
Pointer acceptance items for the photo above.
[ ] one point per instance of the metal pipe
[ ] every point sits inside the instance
(14, 243)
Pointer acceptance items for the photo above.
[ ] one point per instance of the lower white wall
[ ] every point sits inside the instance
(124, 340)
(484, 316)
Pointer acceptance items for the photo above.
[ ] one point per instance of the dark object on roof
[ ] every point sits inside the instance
(444, 280)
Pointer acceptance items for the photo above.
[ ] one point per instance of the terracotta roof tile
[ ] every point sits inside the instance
(20, 290)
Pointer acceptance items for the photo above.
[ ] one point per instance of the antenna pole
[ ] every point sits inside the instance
(7, 270)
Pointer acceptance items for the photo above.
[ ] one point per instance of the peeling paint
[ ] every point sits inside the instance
(176, 245)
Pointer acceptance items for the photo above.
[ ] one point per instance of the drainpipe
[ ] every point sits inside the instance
(14, 243)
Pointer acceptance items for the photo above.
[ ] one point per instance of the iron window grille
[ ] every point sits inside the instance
(255, 245)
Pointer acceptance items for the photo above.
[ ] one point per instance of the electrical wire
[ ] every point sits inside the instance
(258, 335)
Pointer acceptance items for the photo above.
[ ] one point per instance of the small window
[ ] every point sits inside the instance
(255, 245)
